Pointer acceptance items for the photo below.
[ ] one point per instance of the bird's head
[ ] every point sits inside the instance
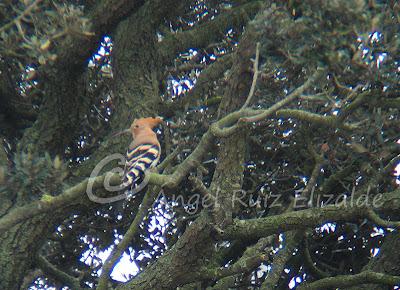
(142, 124)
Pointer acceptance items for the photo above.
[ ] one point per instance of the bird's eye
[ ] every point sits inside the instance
(136, 126)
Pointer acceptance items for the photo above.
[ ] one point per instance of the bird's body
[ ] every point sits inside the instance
(138, 160)
(144, 152)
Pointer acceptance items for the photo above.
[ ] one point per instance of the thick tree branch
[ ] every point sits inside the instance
(204, 83)
(189, 252)
(360, 99)
(327, 121)
(74, 194)
(346, 211)
(292, 239)
(68, 197)
(244, 265)
(254, 255)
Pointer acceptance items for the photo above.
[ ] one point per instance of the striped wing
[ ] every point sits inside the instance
(138, 160)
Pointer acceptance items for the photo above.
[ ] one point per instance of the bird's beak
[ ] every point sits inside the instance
(126, 131)
(172, 124)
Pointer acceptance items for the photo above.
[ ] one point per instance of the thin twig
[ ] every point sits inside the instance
(309, 262)
(291, 97)
(375, 218)
(255, 76)
(49, 269)
(246, 115)
(116, 253)
(17, 19)
(343, 281)
(281, 258)
(168, 160)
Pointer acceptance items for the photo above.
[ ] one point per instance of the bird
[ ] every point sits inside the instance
(143, 153)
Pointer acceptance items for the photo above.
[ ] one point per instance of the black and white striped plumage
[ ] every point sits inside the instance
(138, 160)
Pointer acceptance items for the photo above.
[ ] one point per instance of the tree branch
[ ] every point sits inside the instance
(257, 115)
(208, 32)
(170, 180)
(57, 274)
(327, 121)
(376, 219)
(69, 196)
(280, 260)
(352, 280)
(255, 76)
(309, 262)
(253, 256)
(204, 83)
(291, 97)
(243, 265)
(346, 211)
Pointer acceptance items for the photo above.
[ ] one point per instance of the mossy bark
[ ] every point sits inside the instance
(18, 247)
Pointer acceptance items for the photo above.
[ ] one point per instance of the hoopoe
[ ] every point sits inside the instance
(143, 153)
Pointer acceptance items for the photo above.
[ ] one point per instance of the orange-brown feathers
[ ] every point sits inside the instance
(142, 131)
(143, 153)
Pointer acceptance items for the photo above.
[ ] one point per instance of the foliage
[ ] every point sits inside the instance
(32, 177)
(35, 27)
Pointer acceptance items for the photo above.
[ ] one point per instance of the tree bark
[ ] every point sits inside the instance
(19, 247)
